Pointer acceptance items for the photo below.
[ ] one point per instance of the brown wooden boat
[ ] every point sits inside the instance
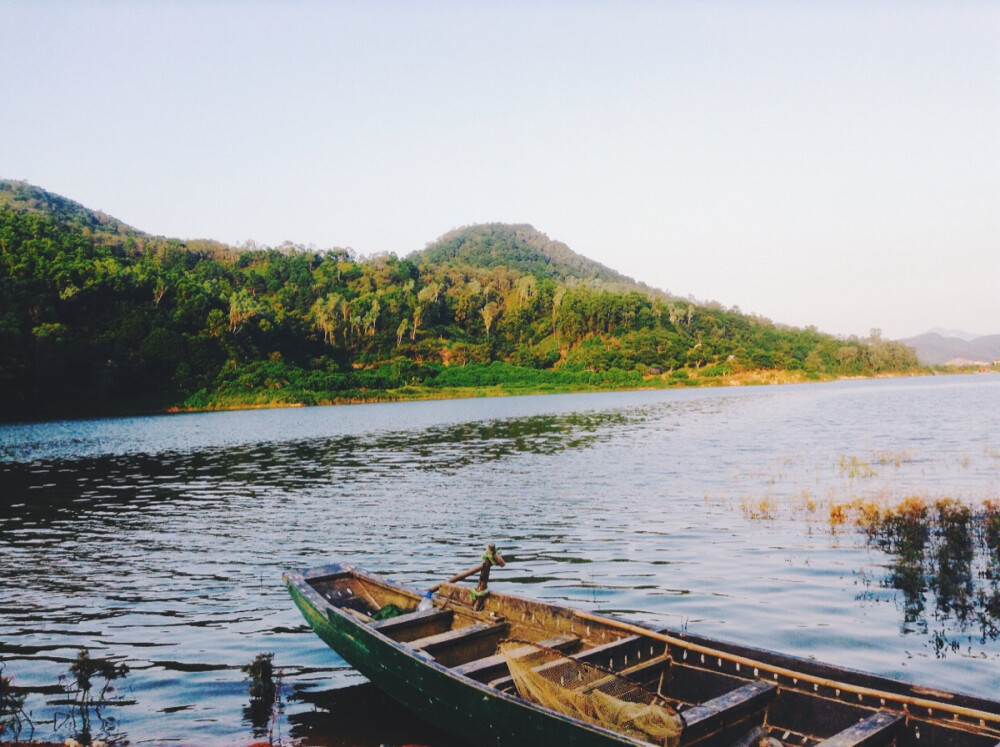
(443, 664)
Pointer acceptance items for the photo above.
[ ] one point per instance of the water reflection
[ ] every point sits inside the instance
(160, 542)
(947, 551)
(164, 558)
(347, 715)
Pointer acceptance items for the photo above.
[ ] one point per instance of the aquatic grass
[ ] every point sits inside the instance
(267, 705)
(943, 552)
(13, 717)
(954, 555)
(764, 509)
(855, 467)
(838, 514)
(86, 672)
(859, 512)
(895, 458)
(806, 502)
(945, 547)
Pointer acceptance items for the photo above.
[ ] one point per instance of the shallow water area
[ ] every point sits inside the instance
(160, 541)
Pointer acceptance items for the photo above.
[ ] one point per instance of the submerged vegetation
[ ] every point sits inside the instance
(266, 706)
(86, 673)
(943, 557)
(97, 317)
(87, 691)
(13, 718)
(945, 551)
(942, 554)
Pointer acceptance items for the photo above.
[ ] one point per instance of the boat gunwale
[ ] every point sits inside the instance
(845, 676)
(302, 579)
(850, 678)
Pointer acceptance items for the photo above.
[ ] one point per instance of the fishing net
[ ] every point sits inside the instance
(590, 693)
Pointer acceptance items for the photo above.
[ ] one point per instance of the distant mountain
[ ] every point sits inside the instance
(959, 333)
(522, 247)
(935, 349)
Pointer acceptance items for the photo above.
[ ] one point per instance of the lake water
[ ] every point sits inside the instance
(160, 541)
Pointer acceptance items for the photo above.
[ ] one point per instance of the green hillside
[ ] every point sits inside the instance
(524, 249)
(99, 318)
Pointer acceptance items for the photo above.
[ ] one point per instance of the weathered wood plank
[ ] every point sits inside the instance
(462, 644)
(722, 712)
(457, 635)
(489, 667)
(413, 625)
(877, 729)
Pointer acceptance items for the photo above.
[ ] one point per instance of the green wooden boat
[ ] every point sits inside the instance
(443, 664)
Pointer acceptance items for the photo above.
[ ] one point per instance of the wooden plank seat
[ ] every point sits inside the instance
(491, 667)
(416, 624)
(462, 644)
(728, 713)
(878, 729)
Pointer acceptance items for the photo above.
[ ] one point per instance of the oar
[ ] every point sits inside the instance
(464, 574)
(771, 669)
(472, 571)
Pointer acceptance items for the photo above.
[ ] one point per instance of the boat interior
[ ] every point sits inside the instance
(721, 703)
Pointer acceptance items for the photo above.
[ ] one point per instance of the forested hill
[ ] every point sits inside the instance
(529, 251)
(97, 317)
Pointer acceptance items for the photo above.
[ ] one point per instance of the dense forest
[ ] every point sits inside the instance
(99, 318)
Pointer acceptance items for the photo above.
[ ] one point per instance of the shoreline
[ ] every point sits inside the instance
(759, 377)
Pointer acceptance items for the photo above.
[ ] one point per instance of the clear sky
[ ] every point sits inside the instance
(832, 163)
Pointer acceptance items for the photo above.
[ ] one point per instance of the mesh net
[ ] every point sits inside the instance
(592, 694)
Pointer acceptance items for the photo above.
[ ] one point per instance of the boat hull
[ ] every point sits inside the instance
(724, 692)
(467, 709)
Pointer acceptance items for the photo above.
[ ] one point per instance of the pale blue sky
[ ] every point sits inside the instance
(825, 163)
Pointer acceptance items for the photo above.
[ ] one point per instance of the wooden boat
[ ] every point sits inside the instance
(442, 664)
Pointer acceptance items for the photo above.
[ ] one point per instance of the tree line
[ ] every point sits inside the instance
(97, 317)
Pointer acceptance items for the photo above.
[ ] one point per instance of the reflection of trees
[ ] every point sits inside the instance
(947, 549)
(905, 533)
(988, 597)
(953, 555)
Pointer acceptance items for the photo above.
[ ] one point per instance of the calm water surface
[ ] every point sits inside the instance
(160, 541)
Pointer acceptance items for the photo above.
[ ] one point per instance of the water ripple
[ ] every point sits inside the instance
(160, 541)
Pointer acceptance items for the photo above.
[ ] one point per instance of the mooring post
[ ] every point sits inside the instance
(490, 558)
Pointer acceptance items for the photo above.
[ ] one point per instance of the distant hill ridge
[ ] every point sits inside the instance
(104, 230)
(935, 349)
(97, 317)
(524, 248)
(27, 198)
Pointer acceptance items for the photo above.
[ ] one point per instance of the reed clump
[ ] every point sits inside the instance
(860, 512)
(764, 509)
(894, 458)
(854, 467)
(945, 548)
(92, 689)
(267, 704)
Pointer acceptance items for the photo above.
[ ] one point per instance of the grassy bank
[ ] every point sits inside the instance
(248, 391)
